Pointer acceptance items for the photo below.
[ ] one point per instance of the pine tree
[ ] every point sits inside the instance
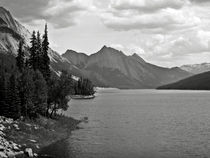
(39, 58)
(14, 98)
(33, 52)
(3, 104)
(46, 59)
(27, 93)
(40, 93)
(20, 57)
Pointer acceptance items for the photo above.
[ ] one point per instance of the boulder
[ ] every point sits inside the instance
(3, 155)
(19, 154)
(2, 134)
(16, 127)
(2, 128)
(15, 147)
(2, 148)
(11, 154)
(33, 141)
(29, 152)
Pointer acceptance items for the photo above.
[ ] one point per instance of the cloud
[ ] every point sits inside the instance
(168, 19)
(145, 5)
(153, 15)
(200, 1)
(60, 13)
(129, 49)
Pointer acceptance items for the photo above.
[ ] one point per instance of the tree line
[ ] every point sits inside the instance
(31, 89)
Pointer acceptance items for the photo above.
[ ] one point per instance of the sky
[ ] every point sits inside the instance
(163, 32)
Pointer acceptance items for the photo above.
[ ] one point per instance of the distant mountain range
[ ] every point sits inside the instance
(197, 82)
(112, 68)
(106, 68)
(196, 68)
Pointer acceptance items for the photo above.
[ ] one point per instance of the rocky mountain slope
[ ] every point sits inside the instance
(112, 68)
(196, 68)
(11, 32)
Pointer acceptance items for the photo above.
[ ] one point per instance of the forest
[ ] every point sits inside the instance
(30, 88)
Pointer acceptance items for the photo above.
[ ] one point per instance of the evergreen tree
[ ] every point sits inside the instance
(3, 104)
(84, 87)
(27, 93)
(27, 63)
(52, 92)
(33, 52)
(45, 58)
(40, 93)
(63, 88)
(14, 98)
(39, 56)
(20, 57)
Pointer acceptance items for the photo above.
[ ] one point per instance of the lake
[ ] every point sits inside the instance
(142, 124)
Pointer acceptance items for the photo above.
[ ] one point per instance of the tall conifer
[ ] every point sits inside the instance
(14, 98)
(3, 103)
(46, 59)
(20, 57)
(33, 52)
(40, 93)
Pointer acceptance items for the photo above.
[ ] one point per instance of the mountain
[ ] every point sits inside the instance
(107, 68)
(11, 32)
(196, 68)
(78, 59)
(112, 68)
(196, 82)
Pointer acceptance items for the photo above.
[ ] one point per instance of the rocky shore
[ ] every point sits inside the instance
(22, 139)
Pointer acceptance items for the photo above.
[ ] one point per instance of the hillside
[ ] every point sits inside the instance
(197, 82)
(112, 68)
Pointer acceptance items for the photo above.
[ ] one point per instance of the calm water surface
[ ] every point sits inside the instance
(142, 124)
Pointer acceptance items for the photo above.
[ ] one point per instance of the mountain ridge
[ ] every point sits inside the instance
(133, 70)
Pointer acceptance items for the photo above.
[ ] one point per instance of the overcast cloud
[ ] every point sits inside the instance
(164, 32)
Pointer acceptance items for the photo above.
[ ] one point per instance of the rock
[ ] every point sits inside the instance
(15, 147)
(35, 154)
(27, 124)
(9, 121)
(3, 155)
(19, 154)
(16, 127)
(37, 146)
(2, 128)
(36, 127)
(33, 141)
(29, 152)
(2, 134)
(11, 154)
(2, 148)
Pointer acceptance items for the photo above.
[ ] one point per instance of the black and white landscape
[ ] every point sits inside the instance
(104, 79)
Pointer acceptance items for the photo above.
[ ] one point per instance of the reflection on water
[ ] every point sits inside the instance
(142, 123)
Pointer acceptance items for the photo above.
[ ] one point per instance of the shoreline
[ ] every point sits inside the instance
(35, 136)
(78, 97)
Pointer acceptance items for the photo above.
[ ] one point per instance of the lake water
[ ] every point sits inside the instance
(142, 124)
